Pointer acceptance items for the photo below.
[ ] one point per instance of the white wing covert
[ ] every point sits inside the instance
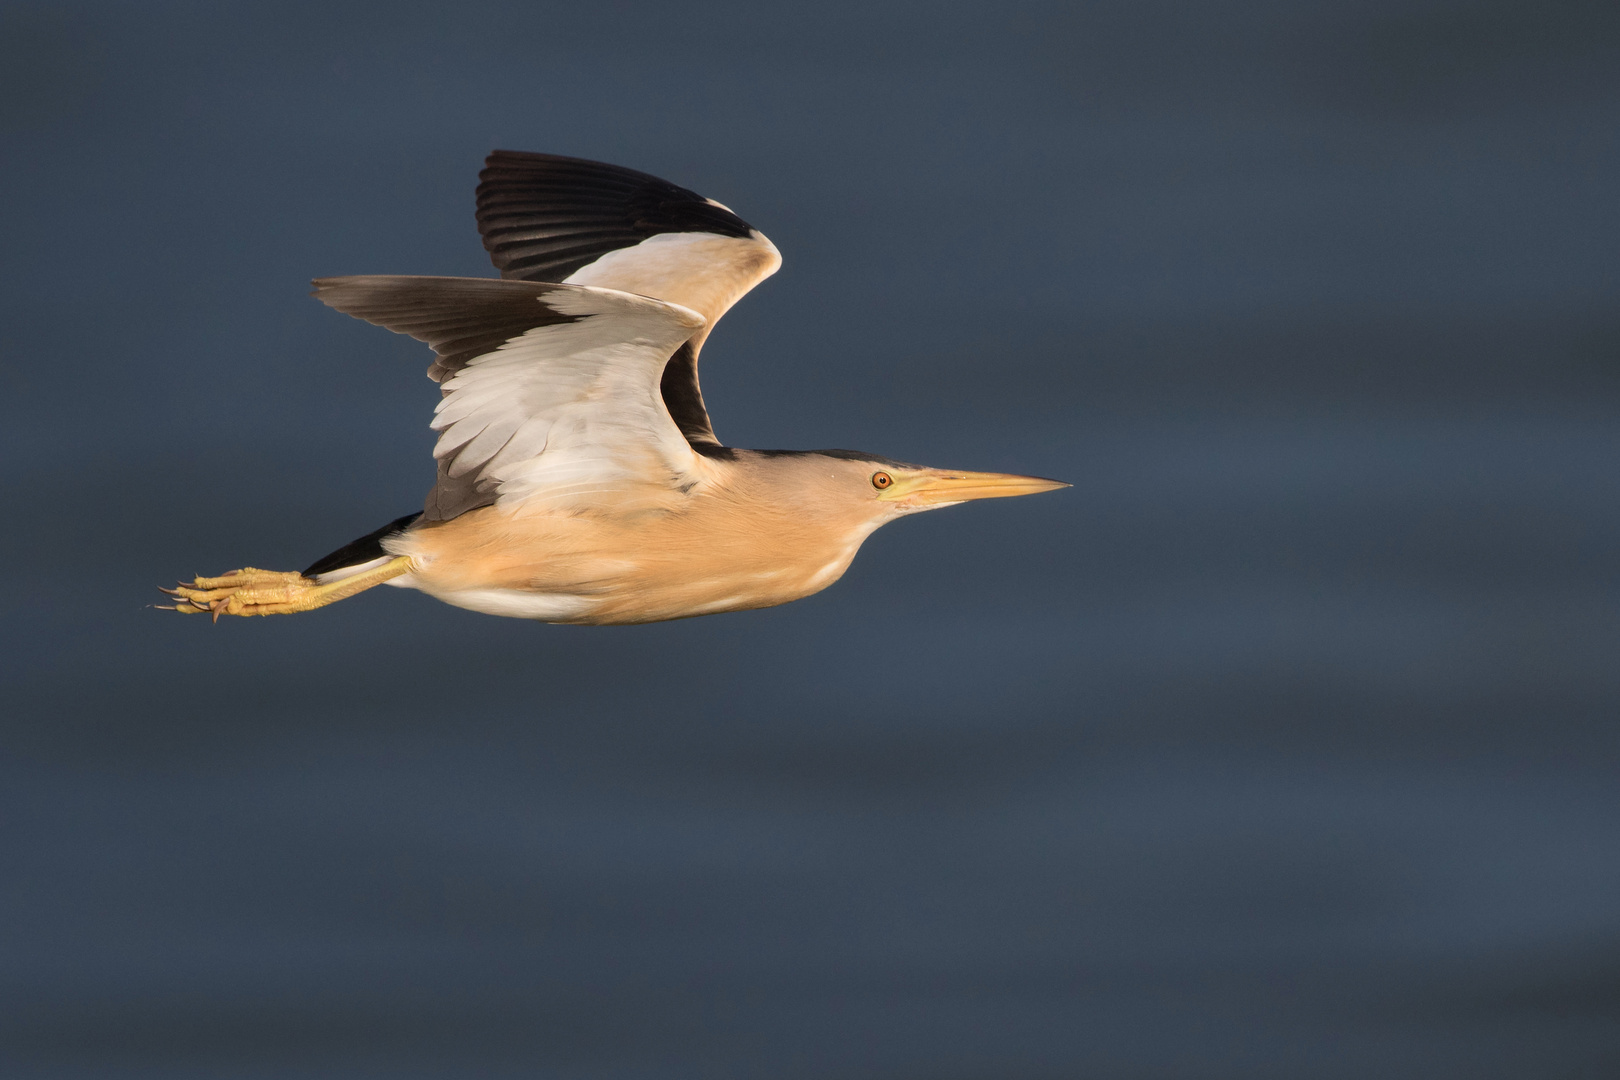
(550, 218)
(551, 391)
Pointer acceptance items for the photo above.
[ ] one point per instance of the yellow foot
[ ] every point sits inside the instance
(251, 591)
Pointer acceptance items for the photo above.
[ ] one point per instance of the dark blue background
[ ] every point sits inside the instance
(1283, 745)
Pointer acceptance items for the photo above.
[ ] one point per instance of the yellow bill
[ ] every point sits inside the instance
(941, 487)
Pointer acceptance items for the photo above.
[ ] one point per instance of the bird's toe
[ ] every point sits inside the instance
(248, 591)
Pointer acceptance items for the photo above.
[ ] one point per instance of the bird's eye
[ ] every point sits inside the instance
(881, 480)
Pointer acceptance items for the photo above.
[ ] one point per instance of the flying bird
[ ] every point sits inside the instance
(579, 477)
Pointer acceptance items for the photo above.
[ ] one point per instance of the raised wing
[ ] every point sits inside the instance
(550, 390)
(550, 218)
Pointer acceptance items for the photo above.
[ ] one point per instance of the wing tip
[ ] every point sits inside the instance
(773, 254)
(324, 287)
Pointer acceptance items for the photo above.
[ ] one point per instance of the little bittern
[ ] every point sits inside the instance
(580, 480)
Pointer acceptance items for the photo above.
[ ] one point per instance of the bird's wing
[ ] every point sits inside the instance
(549, 218)
(550, 391)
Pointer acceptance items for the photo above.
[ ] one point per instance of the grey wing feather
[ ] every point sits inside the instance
(459, 318)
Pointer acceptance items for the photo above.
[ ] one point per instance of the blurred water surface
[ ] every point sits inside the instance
(1283, 745)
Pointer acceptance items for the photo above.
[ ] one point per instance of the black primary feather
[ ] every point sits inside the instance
(543, 216)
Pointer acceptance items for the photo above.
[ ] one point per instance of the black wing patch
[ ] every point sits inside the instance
(461, 318)
(363, 550)
(543, 217)
(684, 400)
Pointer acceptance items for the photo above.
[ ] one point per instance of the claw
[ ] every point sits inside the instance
(251, 591)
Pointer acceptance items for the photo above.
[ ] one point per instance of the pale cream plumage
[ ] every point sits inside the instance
(579, 477)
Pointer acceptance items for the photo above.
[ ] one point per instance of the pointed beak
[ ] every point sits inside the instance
(927, 488)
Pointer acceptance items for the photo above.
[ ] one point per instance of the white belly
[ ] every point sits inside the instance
(512, 603)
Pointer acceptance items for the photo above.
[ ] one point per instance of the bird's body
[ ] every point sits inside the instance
(734, 542)
(580, 479)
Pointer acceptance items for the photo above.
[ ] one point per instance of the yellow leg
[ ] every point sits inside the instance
(249, 591)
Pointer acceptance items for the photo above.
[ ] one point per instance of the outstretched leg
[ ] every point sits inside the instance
(270, 592)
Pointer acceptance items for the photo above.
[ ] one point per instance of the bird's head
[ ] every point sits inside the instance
(876, 490)
(909, 488)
